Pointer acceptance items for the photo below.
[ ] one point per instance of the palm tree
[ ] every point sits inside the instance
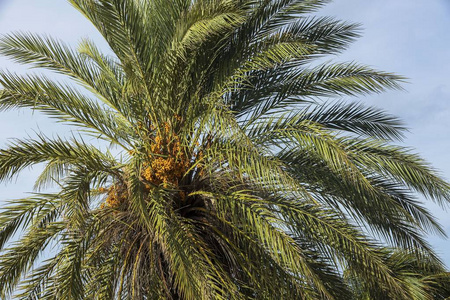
(226, 171)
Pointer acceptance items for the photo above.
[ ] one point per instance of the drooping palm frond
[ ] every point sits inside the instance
(235, 177)
(423, 278)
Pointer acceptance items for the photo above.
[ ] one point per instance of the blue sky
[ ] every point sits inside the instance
(408, 37)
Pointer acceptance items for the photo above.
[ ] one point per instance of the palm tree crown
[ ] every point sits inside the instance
(229, 172)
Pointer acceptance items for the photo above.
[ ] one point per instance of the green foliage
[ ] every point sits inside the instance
(237, 177)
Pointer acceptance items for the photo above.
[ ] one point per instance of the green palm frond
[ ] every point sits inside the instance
(63, 103)
(22, 154)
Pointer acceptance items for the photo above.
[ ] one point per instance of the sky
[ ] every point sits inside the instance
(407, 37)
